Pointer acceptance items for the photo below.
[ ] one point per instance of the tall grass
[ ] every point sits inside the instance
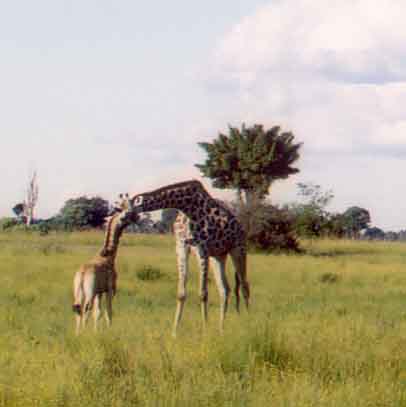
(327, 328)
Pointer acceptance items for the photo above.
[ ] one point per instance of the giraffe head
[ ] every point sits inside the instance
(125, 208)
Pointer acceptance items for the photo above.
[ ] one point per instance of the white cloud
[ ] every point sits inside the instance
(334, 72)
(355, 41)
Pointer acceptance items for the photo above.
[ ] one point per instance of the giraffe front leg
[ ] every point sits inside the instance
(182, 256)
(110, 293)
(204, 266)
(222, 286)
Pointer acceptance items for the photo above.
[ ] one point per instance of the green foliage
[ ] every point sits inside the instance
(335, 225)
(7, 223)
(56, 223)
(148, 273)
(308, 221)
(250, 159)
(44, 228)
(311, 219)
(268, 227)
(374, 233)
(18, 209)
(356, 219)
(84, 212)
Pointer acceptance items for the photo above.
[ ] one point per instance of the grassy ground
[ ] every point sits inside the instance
(326, 329)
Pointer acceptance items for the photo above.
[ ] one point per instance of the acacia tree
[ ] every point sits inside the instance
(356, 219)
(249, 160)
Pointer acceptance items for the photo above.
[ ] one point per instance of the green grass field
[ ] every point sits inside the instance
(327, 328)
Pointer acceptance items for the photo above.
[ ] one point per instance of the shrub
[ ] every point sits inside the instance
(21, 227)
(7, 223)
(149, 273)
(329, 278)
(269, 228)
(43, 227)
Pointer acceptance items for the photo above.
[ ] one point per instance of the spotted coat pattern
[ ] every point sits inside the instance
(208, 228)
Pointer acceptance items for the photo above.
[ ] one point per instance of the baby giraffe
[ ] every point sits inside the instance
(98, 276)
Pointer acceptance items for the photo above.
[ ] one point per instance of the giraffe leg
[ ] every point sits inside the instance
(110, 293)
(86, 311)
(222, 286)
(109, 308)
(182, 257)
(237, 292)
(203, 259)
(96, 310)
(88, 292)
(239, 257)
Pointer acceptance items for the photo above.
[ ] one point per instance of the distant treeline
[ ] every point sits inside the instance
(269, 227)
(246, 160)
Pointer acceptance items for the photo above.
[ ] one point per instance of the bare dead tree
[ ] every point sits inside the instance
(31, 198)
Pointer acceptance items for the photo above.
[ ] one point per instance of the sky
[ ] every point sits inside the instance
(102, 97)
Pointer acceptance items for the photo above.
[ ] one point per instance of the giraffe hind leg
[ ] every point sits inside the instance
(96, 309)
(89, 296)
(237, 292)
(222, 286)
(239, 258)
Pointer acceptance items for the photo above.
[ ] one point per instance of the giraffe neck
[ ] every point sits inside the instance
(114, 229)
(184, 196)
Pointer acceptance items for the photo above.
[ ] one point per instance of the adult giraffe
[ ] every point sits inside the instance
(211, 231)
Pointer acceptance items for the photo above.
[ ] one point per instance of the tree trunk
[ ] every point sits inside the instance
(252, 201)
(29, 217)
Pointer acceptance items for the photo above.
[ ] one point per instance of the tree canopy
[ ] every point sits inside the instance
(311, 217)
(250, 159)
(356, 219)
(18, 209)
(84, 212)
